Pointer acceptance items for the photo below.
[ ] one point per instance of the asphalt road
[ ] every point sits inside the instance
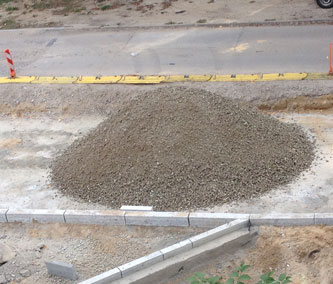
(65, 52)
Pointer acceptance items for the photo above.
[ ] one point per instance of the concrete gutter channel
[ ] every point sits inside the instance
(228, 229)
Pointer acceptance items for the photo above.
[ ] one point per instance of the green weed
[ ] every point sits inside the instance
(239, 277)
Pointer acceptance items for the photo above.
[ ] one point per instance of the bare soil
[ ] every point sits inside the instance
(178, 148)
(115, 13)
(304, 253)
(91, 249)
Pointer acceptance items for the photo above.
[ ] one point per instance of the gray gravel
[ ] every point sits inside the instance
(178, 148)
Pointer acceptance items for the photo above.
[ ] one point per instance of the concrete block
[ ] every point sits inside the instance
(177, 219)
(61, 269)
(104, 278)
(176, 249)
(140, 263)
(136, 208)
(3, 218)
(98, 217)
(324, 218)
(279, 219)
(212, 220)
(218, 232)
(35, 215)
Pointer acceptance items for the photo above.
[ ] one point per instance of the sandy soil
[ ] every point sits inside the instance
(35, 13)
(92, 249)
(305, 254)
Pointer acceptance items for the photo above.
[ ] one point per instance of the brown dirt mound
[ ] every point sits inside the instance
(177, 148)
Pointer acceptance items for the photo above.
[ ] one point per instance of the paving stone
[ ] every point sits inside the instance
(140, 263)
(176, 249)
(3, 218)
(324, 218)
(212, 220)
(219, 232)
(177, 219)
(136, 208)
(35, 215)
(279, 219)
(101, 217)
(61, 269)
(104, 278)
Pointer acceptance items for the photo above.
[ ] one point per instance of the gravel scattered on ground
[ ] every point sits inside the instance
(91, 249)
(177, 149)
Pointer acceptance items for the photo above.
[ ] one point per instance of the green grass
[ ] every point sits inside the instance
(66, 6)
(5, 1)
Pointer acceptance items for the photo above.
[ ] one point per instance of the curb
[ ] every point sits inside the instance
(158, 79)
(166, 253)
(208, 25)
(158, 219)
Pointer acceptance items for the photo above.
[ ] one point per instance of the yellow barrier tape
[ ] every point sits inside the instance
(187, 78)
(157, 79)
(54, 80)
(142, 80)
(24, 79)
(235, 78)
(283, 76)
(98, 80)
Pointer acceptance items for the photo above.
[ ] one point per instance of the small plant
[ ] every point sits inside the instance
(202, 21)
(105, 7)
(238, 277)
(11, 9)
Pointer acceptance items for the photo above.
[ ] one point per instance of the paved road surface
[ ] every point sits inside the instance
(167, 51)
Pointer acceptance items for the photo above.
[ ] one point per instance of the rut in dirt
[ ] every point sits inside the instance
(177, 149)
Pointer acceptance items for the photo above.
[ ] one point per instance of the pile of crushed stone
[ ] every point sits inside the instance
(177, 148)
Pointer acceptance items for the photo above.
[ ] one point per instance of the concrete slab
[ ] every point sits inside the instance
(219, 232)
(35, 215)
(98, 217)
(140, 263)
(288, 219)
(104, 278)
(136, 208)
(61, 269)
(186, 261)
(3, 218)
(177, 219)
(324, 218)
(176, 249)
(212, 220)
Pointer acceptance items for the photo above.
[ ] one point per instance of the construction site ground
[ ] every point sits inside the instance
(118, 13)
(91, 249)
(304, 253)
(38, 122)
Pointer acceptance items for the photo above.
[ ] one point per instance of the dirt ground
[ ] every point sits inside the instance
(38, 122)
(92, 249)
(115, 13)
(304, 253)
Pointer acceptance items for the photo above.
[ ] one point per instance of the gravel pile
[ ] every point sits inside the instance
(177, 148)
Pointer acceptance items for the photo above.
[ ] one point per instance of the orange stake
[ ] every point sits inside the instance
(10, 63)
(330, 71)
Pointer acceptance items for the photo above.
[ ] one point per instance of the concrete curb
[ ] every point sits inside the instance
(35, 215)
(177, 219)
(159, 79)
(208, 25)
(154, 218)
(171, 251)
(103, 217)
